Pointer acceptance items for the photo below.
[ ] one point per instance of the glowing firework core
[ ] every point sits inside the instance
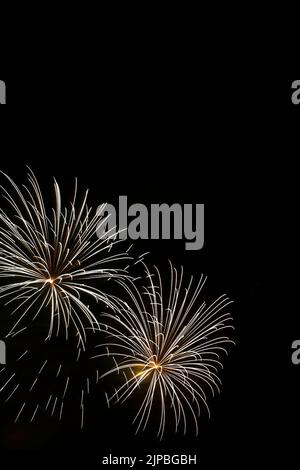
(156, 366)
(44, 259)
(177, 343)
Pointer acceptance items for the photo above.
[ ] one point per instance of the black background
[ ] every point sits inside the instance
(228, 142)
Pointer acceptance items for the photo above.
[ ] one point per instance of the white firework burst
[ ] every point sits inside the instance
(49, 258)
(169, 345)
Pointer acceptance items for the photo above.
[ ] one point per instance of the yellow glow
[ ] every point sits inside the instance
(157, 366)
(50, 280)
(140, 373)
(154, 365)
(150, 366)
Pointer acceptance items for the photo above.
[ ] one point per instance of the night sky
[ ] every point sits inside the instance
(231, 147)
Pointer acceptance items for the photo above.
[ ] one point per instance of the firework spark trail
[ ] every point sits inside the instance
(170, 344)
(49, 264)
(43, 389)
(47, 256)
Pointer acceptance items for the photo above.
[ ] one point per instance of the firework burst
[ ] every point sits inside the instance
(169, 345)
(48, 260)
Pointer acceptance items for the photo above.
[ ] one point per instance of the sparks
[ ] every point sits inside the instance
(50, 261)
(49, 258)
(175, 342)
